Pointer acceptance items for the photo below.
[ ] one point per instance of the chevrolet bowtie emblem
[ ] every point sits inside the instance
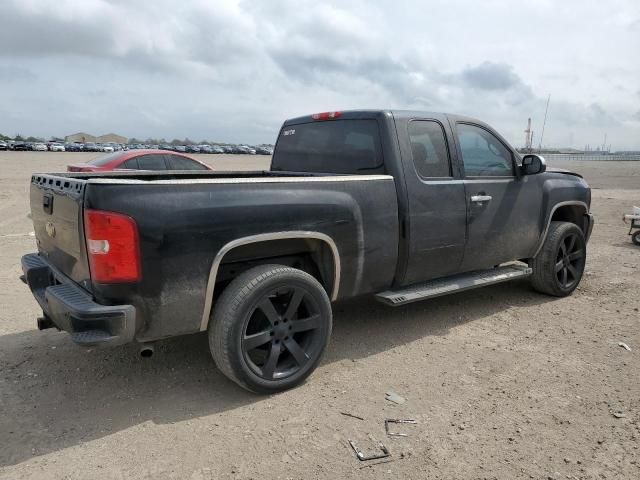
(51, 229)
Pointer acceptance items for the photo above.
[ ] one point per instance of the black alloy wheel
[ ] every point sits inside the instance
(270, 327)
(559, 265)
(570, 261)
(282, 333)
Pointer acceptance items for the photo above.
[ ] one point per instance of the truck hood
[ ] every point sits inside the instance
(562, 170)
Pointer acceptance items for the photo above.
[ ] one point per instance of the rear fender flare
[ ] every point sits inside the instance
(217, 261)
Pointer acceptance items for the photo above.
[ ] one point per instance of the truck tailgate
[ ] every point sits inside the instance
(56, 211)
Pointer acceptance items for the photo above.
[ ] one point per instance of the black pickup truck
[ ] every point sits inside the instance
(401, 205)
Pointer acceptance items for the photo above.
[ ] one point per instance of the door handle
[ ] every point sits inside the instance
(481, 198)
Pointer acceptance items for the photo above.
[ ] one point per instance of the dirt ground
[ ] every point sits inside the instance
(504, 383)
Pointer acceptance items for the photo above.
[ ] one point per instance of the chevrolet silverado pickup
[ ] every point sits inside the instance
(403, 206)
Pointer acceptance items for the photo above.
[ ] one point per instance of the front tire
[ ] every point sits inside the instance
(558, 267)
(270, 328)
(635, 238)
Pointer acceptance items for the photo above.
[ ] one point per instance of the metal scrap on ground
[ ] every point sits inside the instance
(396, 420)
(394, 397)
(374, 456)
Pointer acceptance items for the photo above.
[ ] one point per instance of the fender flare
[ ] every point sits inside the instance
(217, 261)
(543, 237)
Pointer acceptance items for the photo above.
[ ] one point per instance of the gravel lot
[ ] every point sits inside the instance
(505, 383)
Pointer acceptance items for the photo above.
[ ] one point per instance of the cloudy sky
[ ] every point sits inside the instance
(234, 70)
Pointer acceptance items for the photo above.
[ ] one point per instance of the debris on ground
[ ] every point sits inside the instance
(394, 397)
(374, 456)
(397, 420)
(619, 414)
(624, 345)
(347, 414)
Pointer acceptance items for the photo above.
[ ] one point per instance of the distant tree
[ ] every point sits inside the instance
(176, 141)
(188, 141)
(34, 139)
(133, 140)
(18, 137)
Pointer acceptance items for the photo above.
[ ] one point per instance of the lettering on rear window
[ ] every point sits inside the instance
(286, 133)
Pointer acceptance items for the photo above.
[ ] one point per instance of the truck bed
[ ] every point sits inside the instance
(185, 219)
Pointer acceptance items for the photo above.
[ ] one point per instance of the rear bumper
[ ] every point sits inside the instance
(68, 307)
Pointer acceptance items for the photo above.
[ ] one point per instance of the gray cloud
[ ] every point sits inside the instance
(491, 76)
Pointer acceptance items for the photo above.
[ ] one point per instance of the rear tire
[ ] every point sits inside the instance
(635, 238)
(270, 327)
(558, 267)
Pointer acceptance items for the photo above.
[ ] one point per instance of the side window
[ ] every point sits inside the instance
(482, 153)
(429, 149)
(131, 164)
(176, 162)
(152, 162)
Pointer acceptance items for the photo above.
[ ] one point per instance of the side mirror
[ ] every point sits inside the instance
(533, 164)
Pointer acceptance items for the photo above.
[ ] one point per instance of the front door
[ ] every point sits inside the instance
(437, 209)
(502, 207)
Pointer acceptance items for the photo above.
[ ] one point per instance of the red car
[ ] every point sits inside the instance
(140, 160)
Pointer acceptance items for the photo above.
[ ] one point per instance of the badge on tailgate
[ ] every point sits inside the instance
(47, 203)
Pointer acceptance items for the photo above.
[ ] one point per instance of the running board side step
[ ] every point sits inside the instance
(453, 284)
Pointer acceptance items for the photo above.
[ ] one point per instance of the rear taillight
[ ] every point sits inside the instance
(112, 246)
(326, 115)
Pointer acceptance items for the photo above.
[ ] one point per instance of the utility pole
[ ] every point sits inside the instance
(544, 123)
(527, 138)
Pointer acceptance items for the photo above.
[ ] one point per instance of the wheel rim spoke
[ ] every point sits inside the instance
(559, 266)
(564, 276)
(578, 254)
(573, 271)
(269, 367)
(294, 304)
(257, 340)
(298, 353)
(266, 305)
(305, 324)
(563, 249)
(572, 243)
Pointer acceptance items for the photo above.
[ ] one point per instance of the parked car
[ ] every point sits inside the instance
(205, 148)
(20, 146)
(106, 148)
(217, 149)
(262, 150)
(39, 147)
(192, 149)
(139, 160)
(4, 145)
(56, 147)
(74, 147)
(404, 206)
(91, 147)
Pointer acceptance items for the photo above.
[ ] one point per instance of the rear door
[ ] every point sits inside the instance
(502, 207)
(437, 214)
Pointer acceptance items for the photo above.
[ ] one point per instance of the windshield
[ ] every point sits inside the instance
(336, 146)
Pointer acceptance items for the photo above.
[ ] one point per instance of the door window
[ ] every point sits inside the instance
(131, 164)
(429, 149)
(482, 153)
(183, 163)
(152, 162)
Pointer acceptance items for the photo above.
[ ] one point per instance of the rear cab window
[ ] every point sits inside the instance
(347, 146)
